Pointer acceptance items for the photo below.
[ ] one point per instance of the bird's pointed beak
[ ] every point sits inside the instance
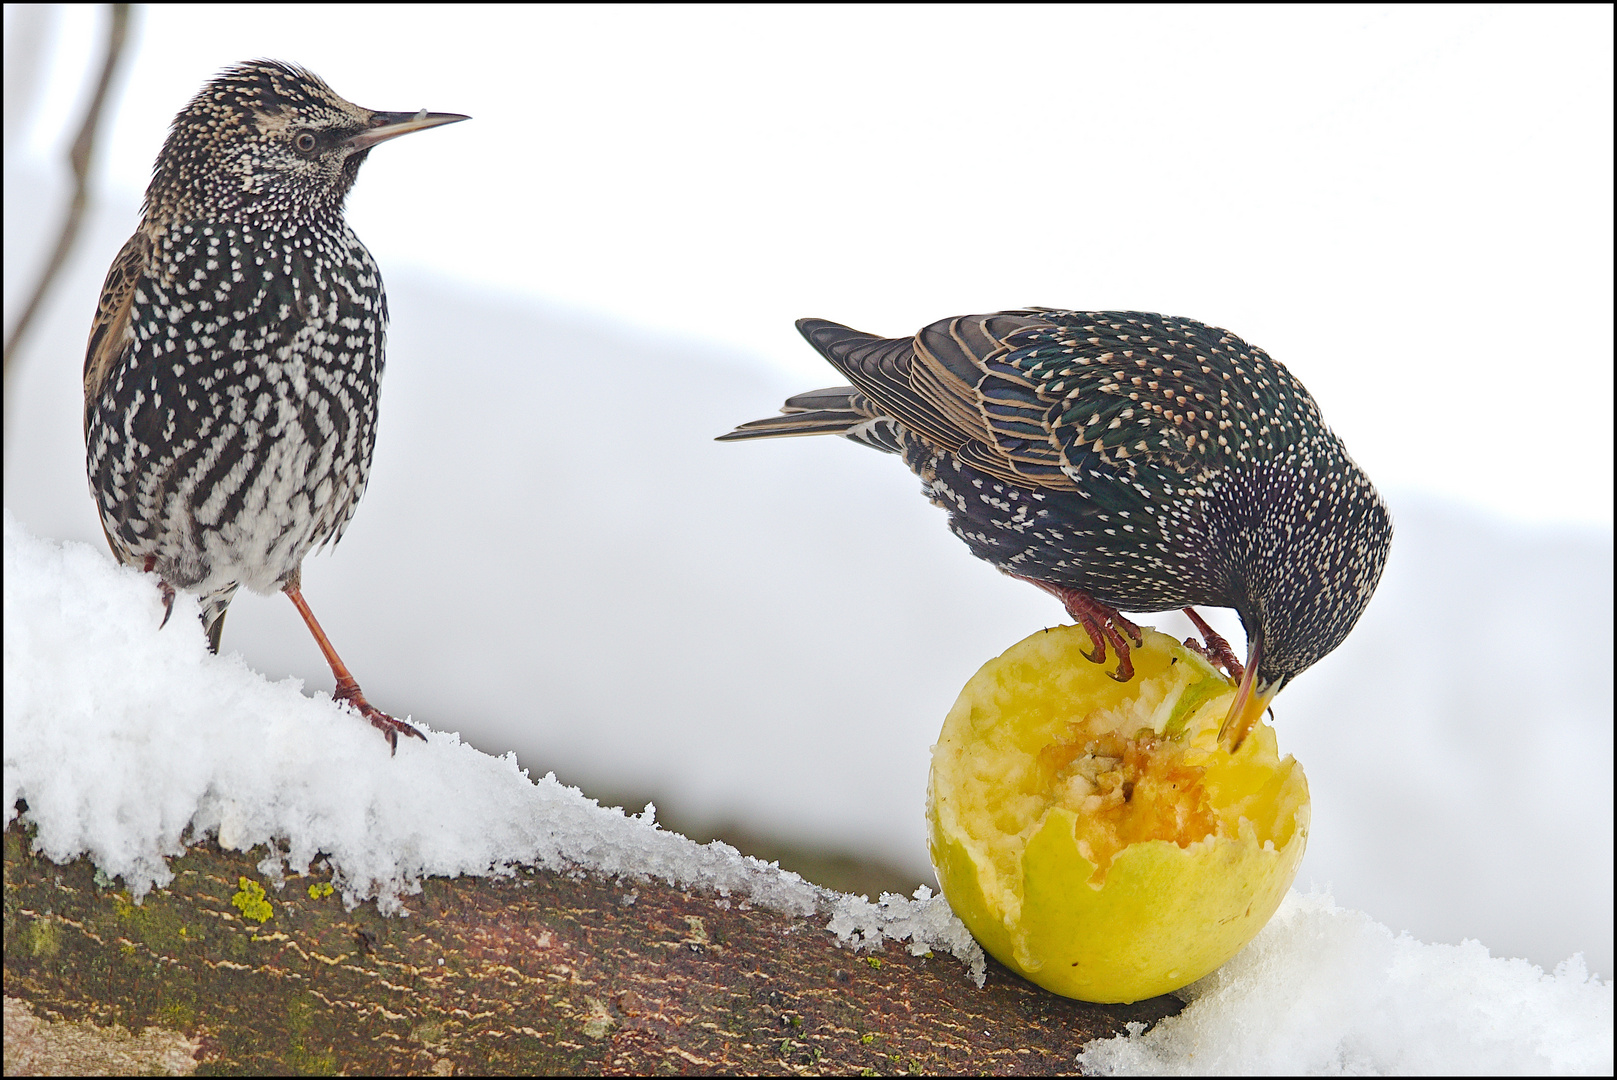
(1250, 702)
(390, 125)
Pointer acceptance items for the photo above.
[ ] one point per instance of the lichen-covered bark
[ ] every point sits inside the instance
(540, 973)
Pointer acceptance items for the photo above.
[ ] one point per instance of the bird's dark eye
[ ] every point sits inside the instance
(305, 143)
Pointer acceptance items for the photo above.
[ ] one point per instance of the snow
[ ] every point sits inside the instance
(128, 743)
(1324, 990)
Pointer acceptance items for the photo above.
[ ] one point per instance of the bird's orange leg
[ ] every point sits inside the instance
(150, 566)
(1217, 650)
(1102, 622)
(347, 689)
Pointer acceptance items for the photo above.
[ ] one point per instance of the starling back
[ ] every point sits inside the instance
(1122, 460)
(231, 378)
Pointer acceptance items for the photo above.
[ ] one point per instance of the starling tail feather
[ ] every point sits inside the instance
(1121, 461)
(232, 372)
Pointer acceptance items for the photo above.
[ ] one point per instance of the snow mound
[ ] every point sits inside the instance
(128, 744)
(1325, 990)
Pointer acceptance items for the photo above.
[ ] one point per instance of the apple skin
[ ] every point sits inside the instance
(1019, 864)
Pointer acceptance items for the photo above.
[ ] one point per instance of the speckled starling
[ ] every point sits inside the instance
(230, 384)
(1122, 460)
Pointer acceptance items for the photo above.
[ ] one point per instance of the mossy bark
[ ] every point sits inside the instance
(538, 973)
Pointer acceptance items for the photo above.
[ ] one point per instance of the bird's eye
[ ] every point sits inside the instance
(304, 143)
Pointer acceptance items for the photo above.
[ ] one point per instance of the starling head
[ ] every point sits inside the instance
(1314, 560)
(266, 138)
(1306, 543)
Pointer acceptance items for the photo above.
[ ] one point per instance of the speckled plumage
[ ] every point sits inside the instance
(231, 378)
(1148, 462)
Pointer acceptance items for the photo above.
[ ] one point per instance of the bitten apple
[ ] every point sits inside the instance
(1093, 835)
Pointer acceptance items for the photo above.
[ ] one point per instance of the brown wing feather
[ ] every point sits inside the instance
(932, 384)
(952, 357)
(952, 386)
(881, 369)
(109, 333)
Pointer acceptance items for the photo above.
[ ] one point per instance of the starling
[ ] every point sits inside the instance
(232, 372)
(1122, 460)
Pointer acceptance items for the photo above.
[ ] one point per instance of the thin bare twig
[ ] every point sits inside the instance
(79, 157)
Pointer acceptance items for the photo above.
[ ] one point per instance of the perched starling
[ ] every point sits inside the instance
(1122, 460)
(231, 378)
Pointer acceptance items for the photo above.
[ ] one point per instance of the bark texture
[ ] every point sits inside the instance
(540, 973)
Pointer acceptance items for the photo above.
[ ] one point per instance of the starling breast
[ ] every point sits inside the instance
(233, 367)
(1147, 462)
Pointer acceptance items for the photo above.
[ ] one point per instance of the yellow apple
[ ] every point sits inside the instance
(1093, 835)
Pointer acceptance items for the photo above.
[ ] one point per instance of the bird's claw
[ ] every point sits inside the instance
(390, 727)
(1108, 631)
(1217, 650)
(163, 587)
(1104, 625)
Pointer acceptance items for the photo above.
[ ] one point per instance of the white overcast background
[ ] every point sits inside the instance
(1410, 207)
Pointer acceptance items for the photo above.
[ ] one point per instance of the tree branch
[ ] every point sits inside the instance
(538, 973)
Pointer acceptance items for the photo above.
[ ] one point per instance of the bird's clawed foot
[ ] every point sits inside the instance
(348, 690)
(150, 566)
(1102, 622)
(1217, 650)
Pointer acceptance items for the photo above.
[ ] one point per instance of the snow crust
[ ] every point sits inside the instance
(127, 744)
(1327, 991)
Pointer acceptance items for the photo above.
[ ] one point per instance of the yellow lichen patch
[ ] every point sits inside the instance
(251, 901)
(1093, 835)
(320, 890)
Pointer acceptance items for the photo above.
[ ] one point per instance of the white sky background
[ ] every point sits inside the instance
(1410, 207)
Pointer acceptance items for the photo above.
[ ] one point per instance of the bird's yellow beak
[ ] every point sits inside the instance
(1250, 702)
(386, 125)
